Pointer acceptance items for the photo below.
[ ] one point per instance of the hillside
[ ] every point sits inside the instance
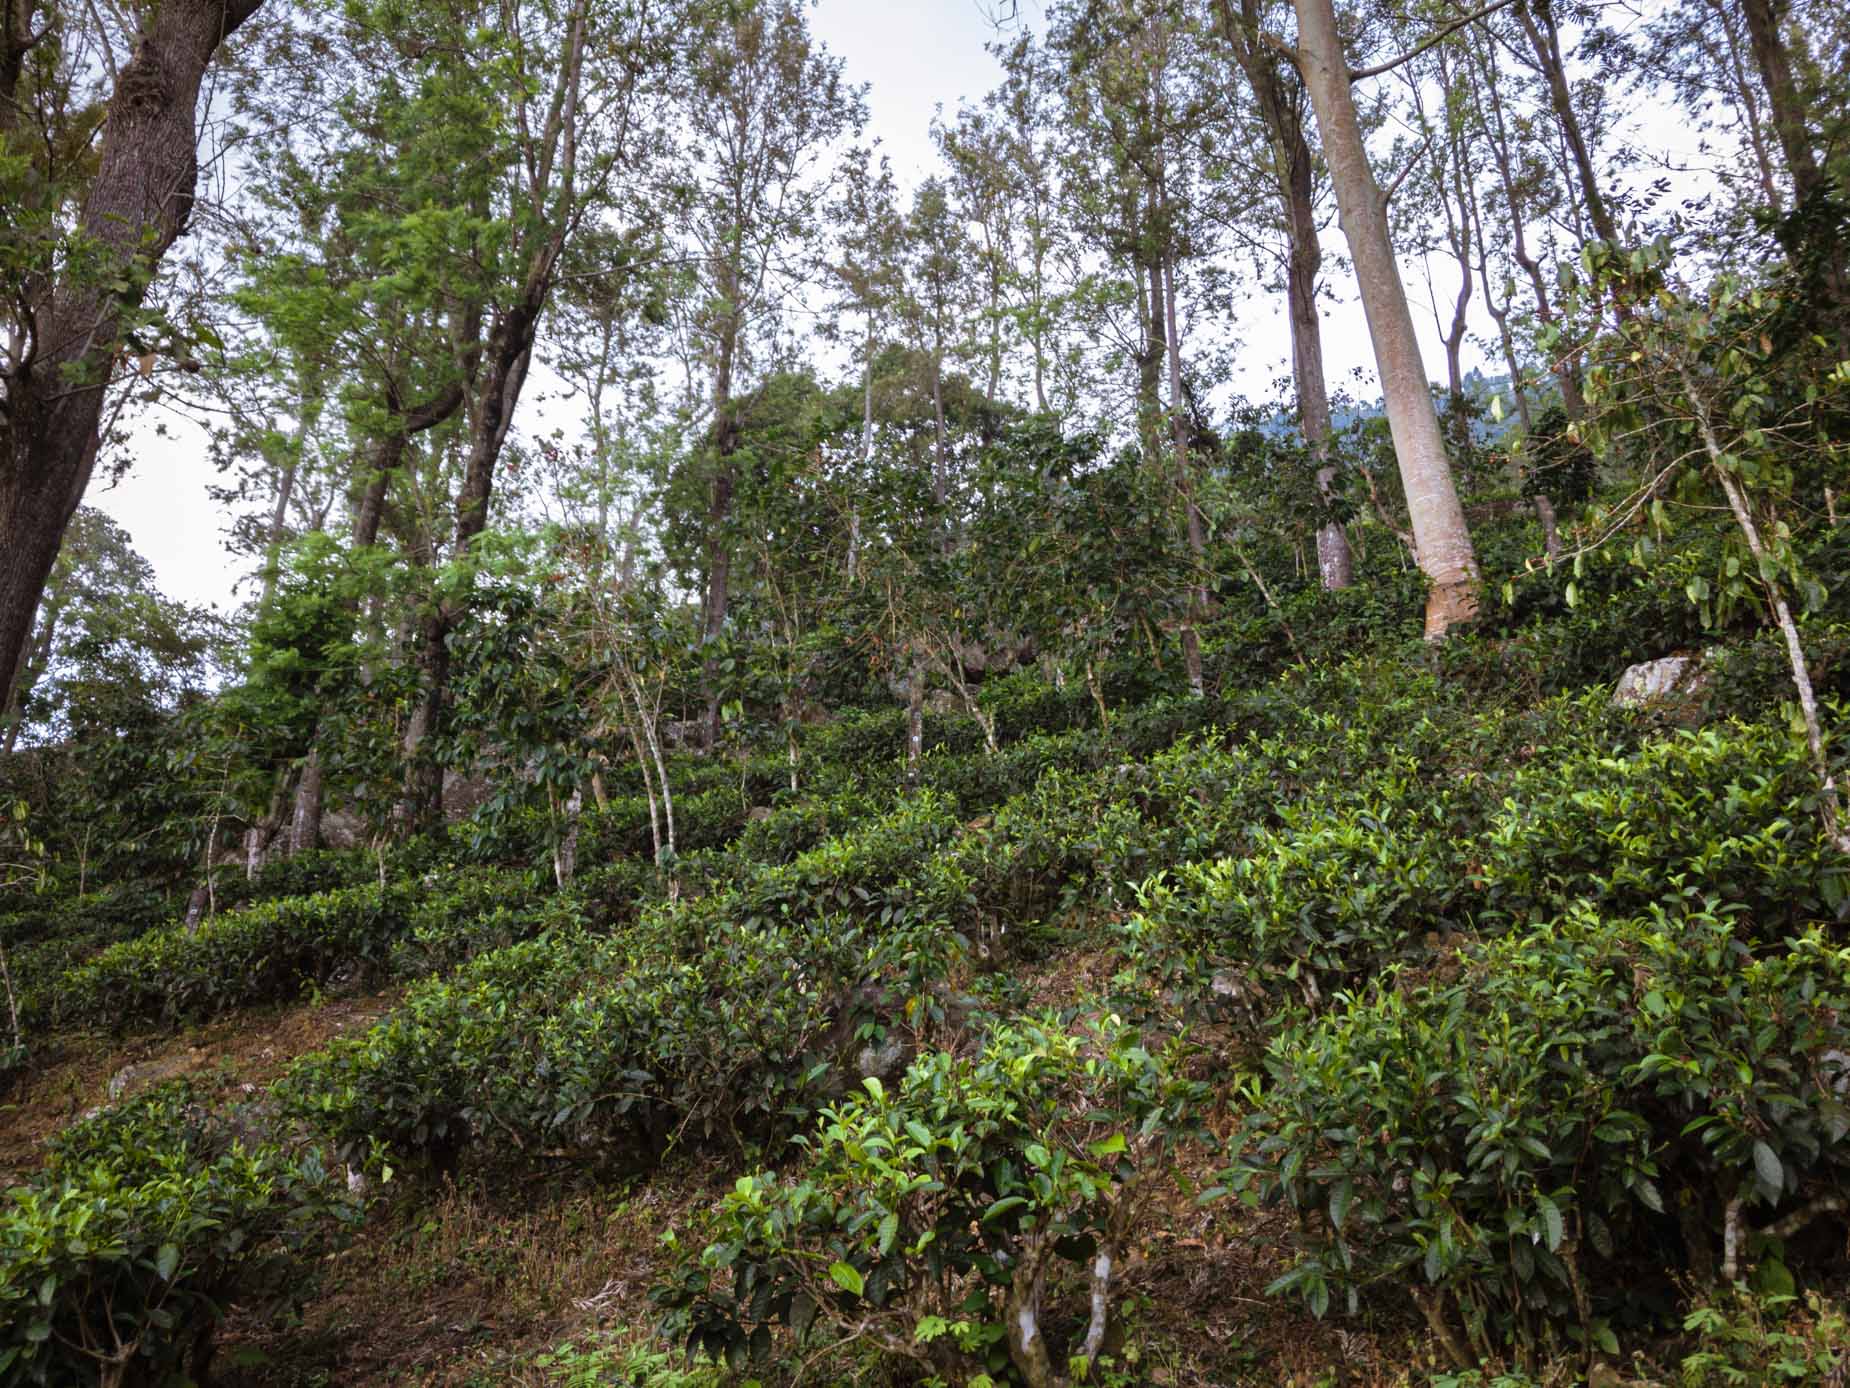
(1394, 1008)
(939, 695)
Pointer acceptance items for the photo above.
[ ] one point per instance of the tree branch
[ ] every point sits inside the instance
(1356, 74)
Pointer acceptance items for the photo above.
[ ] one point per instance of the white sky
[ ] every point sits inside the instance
(918, 56)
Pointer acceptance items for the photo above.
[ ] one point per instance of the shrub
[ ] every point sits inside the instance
(117, 1263)
(1346, 884)
(267, 953)
(273, 952)
(940, 1218)
(1506, 1137)
(1726, 810)
(608, 1049)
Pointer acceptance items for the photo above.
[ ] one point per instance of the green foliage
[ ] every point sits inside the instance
(622, 1358)
(935, 1213)
(267, 953)
(121, 1257)
(1726, 811)
(1509, 1129)
(274, 951)
(1751, 1337)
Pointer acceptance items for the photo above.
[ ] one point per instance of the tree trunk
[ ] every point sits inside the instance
(134, 209)
(718, 596)
(719, 585)
(279, 514)
(305, 828)
(1293, 170)
(1150, 361)
(565, 855)
(915, 718)
(1791, 123)
(1185, 479)
(1439, 531)
(494, 393)
(1830, 813)
(1304, 260)
(1538, 23)
(498, 392)
(31, 667)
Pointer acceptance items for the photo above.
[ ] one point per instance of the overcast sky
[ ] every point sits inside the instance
(917, 56)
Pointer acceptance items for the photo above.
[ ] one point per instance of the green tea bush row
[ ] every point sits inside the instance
(1517, 1138)
(1346, 875)
(118, 1261)
(1728, 810)
(610, 1048)
(951, 1217)
(273, 952)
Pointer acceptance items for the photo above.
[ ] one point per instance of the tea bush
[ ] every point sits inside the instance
(1353, 877)
(1508, 1137)
(272, 952)
(118, 1261)
(610, 1048)
(946, 1218)
(1726, 810)
(263, 954)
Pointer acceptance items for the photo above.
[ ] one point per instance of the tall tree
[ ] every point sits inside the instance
(1440, 534)
(1279, 100)
(764, 103)
(75, 286)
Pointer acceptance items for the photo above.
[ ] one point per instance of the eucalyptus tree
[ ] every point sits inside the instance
(1781, 71)
(1443, 540)
(935, 306)
(1576, 114)
(1300, 185)
(868, 276)
(88, 226)
(456, 157)
(1019, 118)
(1138, 114)
(762, 107)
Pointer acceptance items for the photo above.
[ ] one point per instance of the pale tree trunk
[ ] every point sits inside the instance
(383, 460)
(867, 458)
(565, 854)
(645, 734)
(285, 492)
(1439, 531)
(1185, 479)
(1830, 813)
(1150, 360)
(915, 718)
(1335, 563)
(136, 206)
(305, 827)
(718, 595)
